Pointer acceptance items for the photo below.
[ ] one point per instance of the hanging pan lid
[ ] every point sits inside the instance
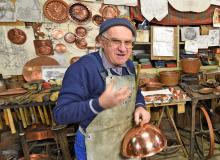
(17, 36)
(56, 11)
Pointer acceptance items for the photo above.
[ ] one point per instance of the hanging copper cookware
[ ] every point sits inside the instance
(81, 43)
(69, 37)
(43, 47)
(32, 69)
(97, 20)
(143, 141)
(81, 32)
(109, 11)
(60, 48)
(56, 11)
(57, 33)
(79, 13)
(17, 36)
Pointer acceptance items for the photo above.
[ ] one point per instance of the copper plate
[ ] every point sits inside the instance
(79, 13)
(56, 11)
(57, 33)
(81, 32)
(17, 36)
(206, 90)
(97, 19)
(32, 69)
(81, 43)
(109, 11)
(74, 59)
(60, 48)
(69, 37)
(43, 47)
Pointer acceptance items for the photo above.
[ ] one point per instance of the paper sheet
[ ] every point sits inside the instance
(7, 11)
(156, 92)
(213, 37)
(203, 41)
(191, 47)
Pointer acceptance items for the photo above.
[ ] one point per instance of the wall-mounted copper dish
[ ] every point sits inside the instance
(60, 48)
(43, 47)
(109, 11)
(97, 19)
(17, 36)
(32, 69)
(79, 13)
(57, 33)
(56, 11)
(69, 37)
(81, 43)
(74, 59)
(81, 32)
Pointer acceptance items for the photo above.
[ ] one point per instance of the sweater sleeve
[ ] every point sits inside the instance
(75, 103)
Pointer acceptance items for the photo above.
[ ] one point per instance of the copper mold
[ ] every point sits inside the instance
(109, 11)
(81, 43)
(57, 33)
(60, 48)
(69, 37)
(97, 20)
(81, 32)
(79, 13)
(17, 36)
(145, 141)
(56, 11)
(32, 69)
(43, 47)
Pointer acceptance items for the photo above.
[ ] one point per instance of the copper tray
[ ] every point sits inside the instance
(97, 19)
(43, 47)
(56, 11)
(17, 36)
(69, 37)
(81, 32)
(32, 69)
(79, 13)
(109, 11)
(81, 43)
(13, 91)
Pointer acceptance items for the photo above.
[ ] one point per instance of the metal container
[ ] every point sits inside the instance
(191, 65)
(169, 78)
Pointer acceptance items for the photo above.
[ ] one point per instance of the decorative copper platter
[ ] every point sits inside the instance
(81, 32)
(43, 47)
(56, 11)
(32, 69)
(69, 37)
(97, 19)
(81, 43)
(60, 48)
(109, 11)
(57, 33)
(17, 36)
(79, 13)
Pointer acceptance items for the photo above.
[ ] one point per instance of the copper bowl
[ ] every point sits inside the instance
(169, 78)
(153, 86)
(191, 65)
(145, 141)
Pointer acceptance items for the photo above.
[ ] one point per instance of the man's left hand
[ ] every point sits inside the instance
(141, 116)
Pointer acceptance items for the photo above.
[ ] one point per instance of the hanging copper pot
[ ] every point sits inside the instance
(79, 13)
(81, 43)
(97, 20)
(17, 36)
(145, 141)
(109, 11)
(81, 32)
(60, 48)
(57, 33)
(56, 11)
(69, 37)
(43, 47)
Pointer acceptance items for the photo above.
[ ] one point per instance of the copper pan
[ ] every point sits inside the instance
(69, 37)
(17, 36)
(32, 69)
(81, 43)
(145, 141)
(43, 47)
(60, 48)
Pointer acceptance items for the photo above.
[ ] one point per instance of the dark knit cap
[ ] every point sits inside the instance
(116, 22)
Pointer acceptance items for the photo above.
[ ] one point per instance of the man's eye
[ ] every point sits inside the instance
(115, 41)
(128, 42)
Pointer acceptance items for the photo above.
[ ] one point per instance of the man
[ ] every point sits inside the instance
(99, 93)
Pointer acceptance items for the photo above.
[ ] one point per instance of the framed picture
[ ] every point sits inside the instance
(164, 43)
(53, 72)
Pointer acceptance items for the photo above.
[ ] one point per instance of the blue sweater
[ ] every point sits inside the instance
(82, 85)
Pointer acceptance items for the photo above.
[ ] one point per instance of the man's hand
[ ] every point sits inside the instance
(141, 116)
(111, 97)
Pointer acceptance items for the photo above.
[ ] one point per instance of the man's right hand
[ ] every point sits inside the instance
(111, 97)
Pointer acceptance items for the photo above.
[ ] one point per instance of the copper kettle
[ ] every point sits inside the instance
(143, 141)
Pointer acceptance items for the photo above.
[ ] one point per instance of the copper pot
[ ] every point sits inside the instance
(143, 141)
(191, 65)
(169, 78)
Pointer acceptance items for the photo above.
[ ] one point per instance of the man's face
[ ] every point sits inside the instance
(117, 44)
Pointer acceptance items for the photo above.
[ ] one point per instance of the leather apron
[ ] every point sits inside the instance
(105, 133)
